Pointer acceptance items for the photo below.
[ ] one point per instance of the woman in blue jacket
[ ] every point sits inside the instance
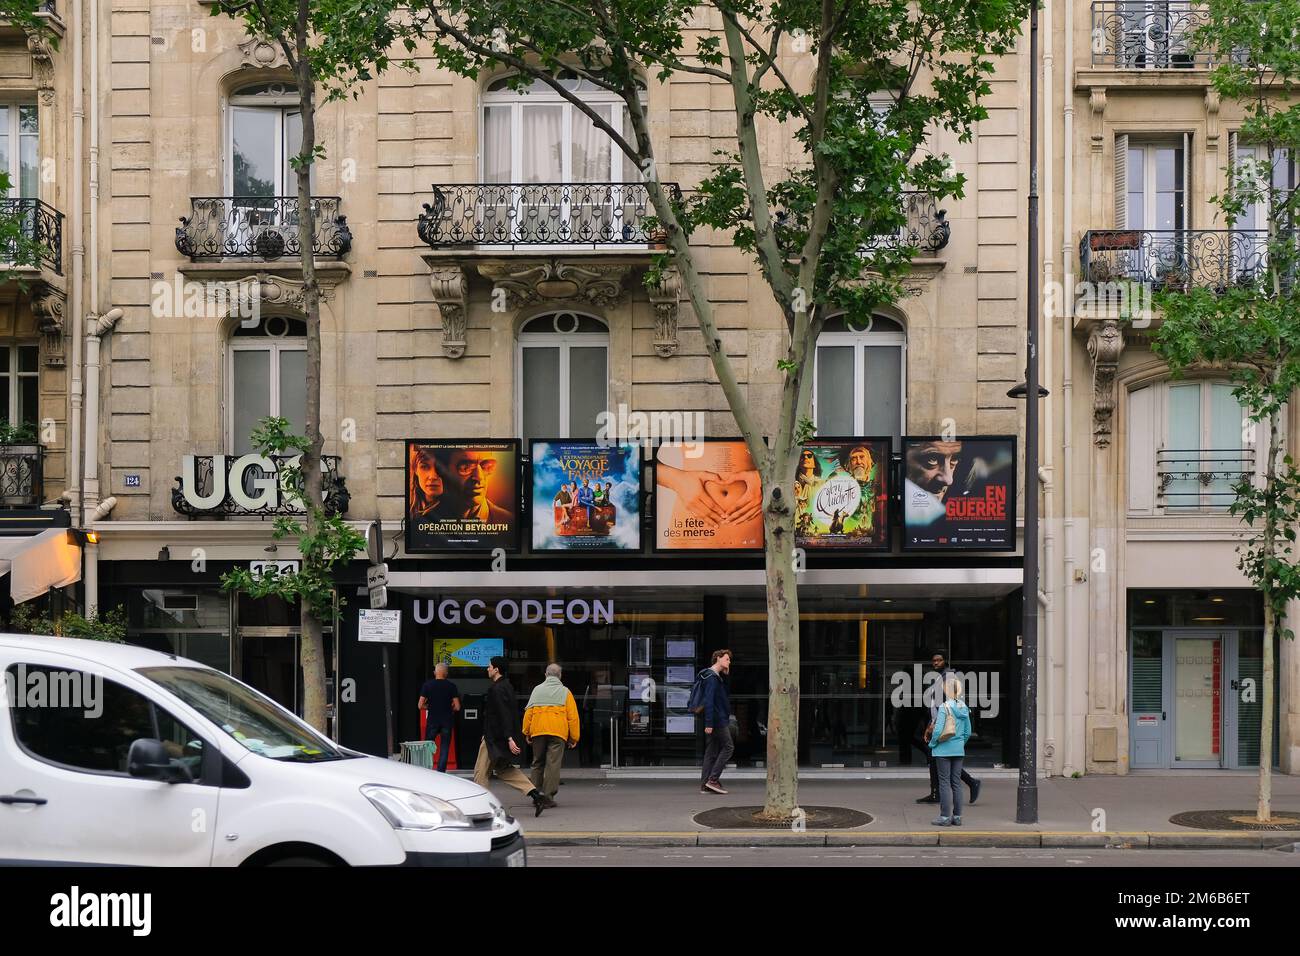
(949, 754)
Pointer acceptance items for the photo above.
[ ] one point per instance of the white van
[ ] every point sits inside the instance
(115, 754)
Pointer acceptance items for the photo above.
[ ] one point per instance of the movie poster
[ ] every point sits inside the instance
(959, 494)
(708, 498)
(841, 494)
(461, 495)
(586, 497)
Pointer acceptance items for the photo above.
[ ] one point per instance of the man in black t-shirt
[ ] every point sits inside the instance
(441, 699)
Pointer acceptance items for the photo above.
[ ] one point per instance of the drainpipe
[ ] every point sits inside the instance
(1068, 762)
(96, 510)
(91, 577)
(96, 329)
(78, 255)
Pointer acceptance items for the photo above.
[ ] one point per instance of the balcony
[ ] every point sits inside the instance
(1175, 260)
(41, 229)
(927, 228)
(1133, 35)
(1201, 479)
(21, 474)
(333, 485)
(259, 228)
(540, 214)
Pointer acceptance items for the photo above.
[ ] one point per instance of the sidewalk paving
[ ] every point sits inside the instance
(1130, 811)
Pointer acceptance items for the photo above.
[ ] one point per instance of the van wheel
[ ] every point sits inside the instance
(298, 861)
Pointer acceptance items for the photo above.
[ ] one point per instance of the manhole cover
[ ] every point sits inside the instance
(815, 818)
(1235, 820)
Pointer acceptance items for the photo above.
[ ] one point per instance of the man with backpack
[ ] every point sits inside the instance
(709, 698)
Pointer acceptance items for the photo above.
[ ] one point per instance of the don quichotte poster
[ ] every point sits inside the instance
(841, 494)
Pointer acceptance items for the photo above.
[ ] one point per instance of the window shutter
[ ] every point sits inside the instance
(1186, 222)
(1232, 158)
(1142, 448)
(1121, 181)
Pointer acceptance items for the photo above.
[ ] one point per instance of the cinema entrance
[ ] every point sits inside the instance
(630, 662)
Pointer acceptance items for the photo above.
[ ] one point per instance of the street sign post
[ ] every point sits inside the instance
(377, 585)
(382, 627)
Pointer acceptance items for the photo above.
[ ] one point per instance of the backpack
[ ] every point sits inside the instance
(696, 703)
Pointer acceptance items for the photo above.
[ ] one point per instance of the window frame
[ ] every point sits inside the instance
(548, 97)
(565, 341)
(274, 344)
(1147, 440)
(208, 764)
(282, 105)
(860, 341)
(14, 379)
(14, 136)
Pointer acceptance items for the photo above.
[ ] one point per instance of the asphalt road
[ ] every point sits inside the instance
(583, 856)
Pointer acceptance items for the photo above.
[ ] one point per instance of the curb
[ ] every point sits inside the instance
(1210, 839)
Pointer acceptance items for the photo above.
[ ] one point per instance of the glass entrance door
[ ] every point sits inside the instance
(1198, 699)
(268, 661)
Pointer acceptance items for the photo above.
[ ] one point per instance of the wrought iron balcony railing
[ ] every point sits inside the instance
(21, 475)
(540, 214)
(336, 496)
(927, 228)
(1203, 479)
(1175, 259)
(264, 227)
(1146, 34)
(41, 228)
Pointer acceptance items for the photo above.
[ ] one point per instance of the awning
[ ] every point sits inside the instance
(51, 559)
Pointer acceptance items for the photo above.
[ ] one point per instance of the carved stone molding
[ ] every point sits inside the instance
(665, 296)
(260, 54)
(528, 283)
(1212, 118)
(450, 286)
(1097, 101)
(1105, 345)
(42, 66)
(285, 292)
(47, 306)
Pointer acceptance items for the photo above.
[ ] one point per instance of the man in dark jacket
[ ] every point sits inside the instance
(717, 723)
(501, 736)
(940, 664)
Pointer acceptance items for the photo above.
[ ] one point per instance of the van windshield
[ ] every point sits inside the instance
(244, 714)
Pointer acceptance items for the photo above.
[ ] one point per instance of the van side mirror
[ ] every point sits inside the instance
(149, 760)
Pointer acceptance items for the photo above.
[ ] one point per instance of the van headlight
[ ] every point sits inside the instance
(410, 810)
(500, 818)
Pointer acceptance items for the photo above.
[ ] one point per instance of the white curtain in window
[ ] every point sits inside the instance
(591, 148)
(496, 144)
(542, 139)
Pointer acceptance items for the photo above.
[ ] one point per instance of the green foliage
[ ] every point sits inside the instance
(349, 41)
(1252, 328)
(109, 627)
(332, 542)
(866, 136)
(24, 14)
(20, 434)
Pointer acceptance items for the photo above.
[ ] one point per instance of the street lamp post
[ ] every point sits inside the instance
(1027, 789)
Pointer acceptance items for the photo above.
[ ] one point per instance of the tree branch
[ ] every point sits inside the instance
(769, 253)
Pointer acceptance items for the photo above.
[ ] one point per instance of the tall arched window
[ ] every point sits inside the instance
(534, 135)
(1189, 443)
(266, 375)
(552, 175)
(563, 376)
(265, 130)
(859, 385)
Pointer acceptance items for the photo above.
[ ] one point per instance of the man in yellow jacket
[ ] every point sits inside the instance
(550, 720)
